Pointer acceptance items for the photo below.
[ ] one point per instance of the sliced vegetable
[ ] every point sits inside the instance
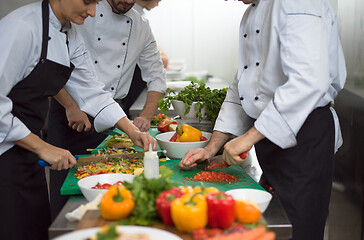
(167, 125)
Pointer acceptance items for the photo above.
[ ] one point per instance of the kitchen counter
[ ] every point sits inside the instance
(275, 217)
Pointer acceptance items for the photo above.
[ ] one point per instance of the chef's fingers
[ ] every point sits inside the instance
(87, 126)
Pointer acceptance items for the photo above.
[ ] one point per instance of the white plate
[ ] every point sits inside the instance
(154, 234)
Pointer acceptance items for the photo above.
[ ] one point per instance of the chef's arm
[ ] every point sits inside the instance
(140, 139)
(149, 109)
(77, 119)
(192, 157)
(58, 158)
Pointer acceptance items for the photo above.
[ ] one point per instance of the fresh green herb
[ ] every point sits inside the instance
(204, 96)
(110, 234)
(145, 192)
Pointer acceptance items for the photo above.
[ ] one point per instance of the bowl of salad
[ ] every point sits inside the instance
(94, 185)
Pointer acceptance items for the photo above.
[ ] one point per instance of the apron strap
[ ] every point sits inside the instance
(45, 19)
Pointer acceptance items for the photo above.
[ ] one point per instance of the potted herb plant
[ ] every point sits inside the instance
(204, 102)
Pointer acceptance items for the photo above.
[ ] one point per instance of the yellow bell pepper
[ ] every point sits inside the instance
(117, 203)
(198, 189)
(187, 133)
(189, 212)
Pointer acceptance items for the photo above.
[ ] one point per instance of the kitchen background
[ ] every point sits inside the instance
(204, 35)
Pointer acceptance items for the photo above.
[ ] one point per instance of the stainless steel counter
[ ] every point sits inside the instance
(274, 215)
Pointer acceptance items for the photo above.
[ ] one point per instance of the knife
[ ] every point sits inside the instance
(216, 162)
(93, 159)
(213, 162)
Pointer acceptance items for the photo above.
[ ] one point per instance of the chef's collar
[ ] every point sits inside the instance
(56, 23)
(53, 19)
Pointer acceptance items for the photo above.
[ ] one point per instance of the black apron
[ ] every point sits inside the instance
(24, 205)
(302, 175)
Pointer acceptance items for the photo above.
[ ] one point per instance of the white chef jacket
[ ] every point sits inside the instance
(139, 9)
(20, 48)
(132, 42)
(290, 62)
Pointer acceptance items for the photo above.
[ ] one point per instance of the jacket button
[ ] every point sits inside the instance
(253, 4)
(112, 89)
(96, 62)
(99, 39)
(241, 98)
(258, 31)
(245, 35)
(128, 21)
(49, 38)
(118, 66)
(101, 15)
(245, 67)
(123, 44)
(256, 98)
(257, 63)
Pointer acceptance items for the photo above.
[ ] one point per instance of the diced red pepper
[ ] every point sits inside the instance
(221, 212)
(167, 125)
(164, 202)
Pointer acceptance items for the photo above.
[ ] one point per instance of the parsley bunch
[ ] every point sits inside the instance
(145, 192)
(204, 96)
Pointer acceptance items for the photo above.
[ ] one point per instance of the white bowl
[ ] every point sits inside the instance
(179, 109)
(260, 197)
(177, 150)
(86, 184)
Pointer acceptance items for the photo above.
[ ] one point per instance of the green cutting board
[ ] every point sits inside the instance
(70, 186)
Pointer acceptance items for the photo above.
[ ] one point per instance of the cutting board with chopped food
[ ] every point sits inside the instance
(183, 177)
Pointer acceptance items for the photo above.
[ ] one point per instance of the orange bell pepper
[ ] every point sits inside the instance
(117, 203)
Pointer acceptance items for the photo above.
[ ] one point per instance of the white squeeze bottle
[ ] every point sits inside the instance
(151, 164)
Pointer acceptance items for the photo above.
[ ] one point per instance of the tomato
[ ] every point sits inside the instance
(200, 234)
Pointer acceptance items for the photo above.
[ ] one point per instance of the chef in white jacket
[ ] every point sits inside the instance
(118, 39)
(291, 67)
(39, 50)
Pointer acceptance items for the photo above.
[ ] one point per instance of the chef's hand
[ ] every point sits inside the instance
(77, 119)
(193, 157)
(58, 158)
(140, 139)
(241, 144)
(142, 123)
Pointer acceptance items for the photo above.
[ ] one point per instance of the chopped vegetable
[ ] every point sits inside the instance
(210, 176)
(167, 125)
(157, 119)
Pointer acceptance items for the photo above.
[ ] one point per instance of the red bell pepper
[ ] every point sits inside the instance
(174, 137)
(203, 139)
(164, 202)
(167, 125)
(220, 207)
